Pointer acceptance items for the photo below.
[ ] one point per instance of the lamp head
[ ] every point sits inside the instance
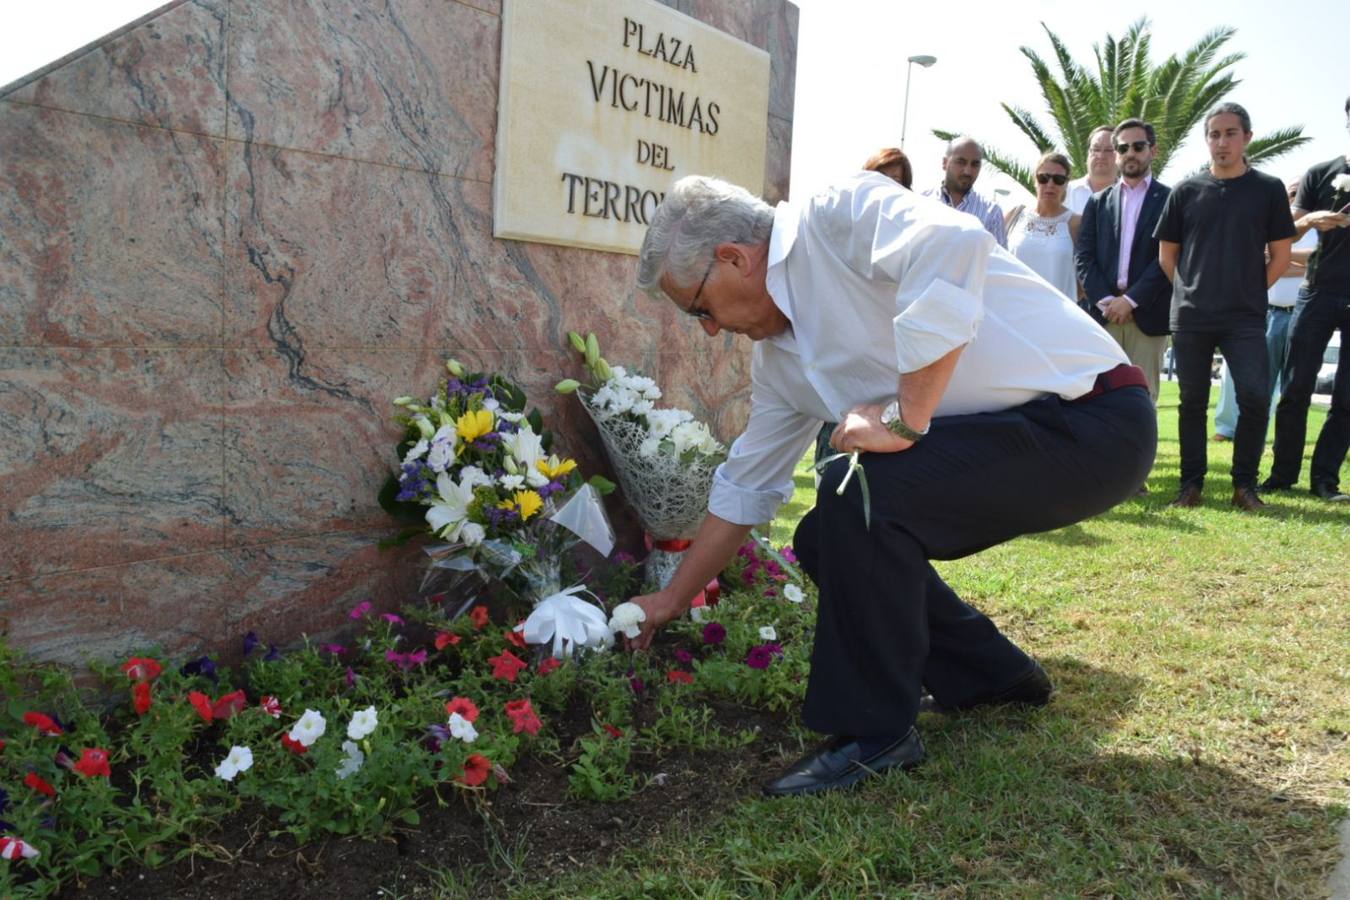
(924, 61)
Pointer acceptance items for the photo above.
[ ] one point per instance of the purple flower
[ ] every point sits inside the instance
(684, 656)
(624, 558)
(789, 554)
(201, 666)
(759, 657)
(440, 736)
(351, 677)
(714, 634)
(406, 661)
(774, 648)
(360, 609)
(4, 800)
(391, 617)
(273, 654)
(770, 592)
(335, 649)
(250, 642)
(635, 682)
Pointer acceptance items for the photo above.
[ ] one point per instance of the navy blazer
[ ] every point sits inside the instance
(1097, 256)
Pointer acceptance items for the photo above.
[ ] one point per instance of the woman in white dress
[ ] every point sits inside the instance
(1043, 237)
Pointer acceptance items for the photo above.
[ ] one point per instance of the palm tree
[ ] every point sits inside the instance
(1172, 96)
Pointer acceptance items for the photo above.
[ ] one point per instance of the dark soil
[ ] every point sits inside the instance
(532, 814)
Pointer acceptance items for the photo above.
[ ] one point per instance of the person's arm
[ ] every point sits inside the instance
(1168, 254)
(714, 546)
(1321, 219)
(1278, 254)
(919, 392)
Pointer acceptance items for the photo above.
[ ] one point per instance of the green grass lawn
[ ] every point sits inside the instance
(1197, 745)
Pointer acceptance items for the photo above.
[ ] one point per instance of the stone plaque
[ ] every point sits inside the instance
(604, 103)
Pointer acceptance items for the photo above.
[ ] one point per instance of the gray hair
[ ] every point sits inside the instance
(697, 214)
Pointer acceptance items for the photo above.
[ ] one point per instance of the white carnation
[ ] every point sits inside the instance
(627, 617)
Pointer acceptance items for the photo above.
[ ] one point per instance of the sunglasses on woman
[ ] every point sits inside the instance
(1046, 178)
(1139, 147)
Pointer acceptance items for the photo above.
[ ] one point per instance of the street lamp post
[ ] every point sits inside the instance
(924, 61)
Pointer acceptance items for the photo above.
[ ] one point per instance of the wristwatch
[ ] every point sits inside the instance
(890, 417)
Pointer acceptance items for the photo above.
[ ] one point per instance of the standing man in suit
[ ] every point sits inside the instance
(1117, 254)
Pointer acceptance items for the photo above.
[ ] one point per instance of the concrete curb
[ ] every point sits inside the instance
(1338, 888)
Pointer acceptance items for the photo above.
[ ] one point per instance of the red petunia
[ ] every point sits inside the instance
(613, 731)
(548, 665)
(464, 706)
(228, 705)
(293, 745)
(45, 724)
(35, 781)
(522, 714)
(679, 676)
(506, 666)
(142, 668)
(515, 638)
(93, 763)
(140, 697)
(476, 770)
(479, 616)
(202, 704)
(446, 639)
(2, 746)
(270, 705)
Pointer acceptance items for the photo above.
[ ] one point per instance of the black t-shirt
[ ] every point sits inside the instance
(1223, 226)
(1329, 266)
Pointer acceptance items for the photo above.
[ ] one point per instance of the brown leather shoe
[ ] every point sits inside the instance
(1246, 499)
(1190, 496)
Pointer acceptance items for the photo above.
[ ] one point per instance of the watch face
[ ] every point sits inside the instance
(890, 413)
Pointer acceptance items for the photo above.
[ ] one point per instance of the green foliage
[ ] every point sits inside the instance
(1124, 83)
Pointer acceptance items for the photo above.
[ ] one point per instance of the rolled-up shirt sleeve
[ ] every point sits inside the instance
(938, 259)
(757, 477)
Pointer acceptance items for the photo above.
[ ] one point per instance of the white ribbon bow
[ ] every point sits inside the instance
(568, 621)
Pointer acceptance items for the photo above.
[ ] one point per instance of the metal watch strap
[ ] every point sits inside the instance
(890, 417)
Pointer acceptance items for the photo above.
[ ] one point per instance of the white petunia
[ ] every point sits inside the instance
(768, 634)
(363, 723)
(793, 593)
(240, 759)
(462, 728)
(627, 617)
(352, 762)
(309, 728)
(698, 613)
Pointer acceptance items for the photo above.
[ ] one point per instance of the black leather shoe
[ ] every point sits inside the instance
(1270, 484)
(1329, 492)
(1032, 689)
(843, 762)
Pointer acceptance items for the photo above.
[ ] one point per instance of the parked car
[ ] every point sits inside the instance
(1327, 376)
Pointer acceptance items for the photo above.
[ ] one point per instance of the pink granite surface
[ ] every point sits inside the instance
(229, 235)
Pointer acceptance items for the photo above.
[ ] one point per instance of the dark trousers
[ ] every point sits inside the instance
(1316, 316)
(1244, 349)
(887, 624)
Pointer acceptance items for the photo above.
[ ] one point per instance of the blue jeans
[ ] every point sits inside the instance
(1277, 346)
(1316, 315)
(1244, 348)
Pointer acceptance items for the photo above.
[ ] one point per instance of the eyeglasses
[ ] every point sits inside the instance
(1046, 178)
(692, 309)
(1139, 147)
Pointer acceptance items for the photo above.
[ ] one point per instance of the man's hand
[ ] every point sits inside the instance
(1327, 220)
(861, 429)
(1118, 310)
(660, 609)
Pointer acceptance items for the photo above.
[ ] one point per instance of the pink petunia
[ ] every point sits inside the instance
(360, 609)
(270, 705)
(446, 639)
(392, 617)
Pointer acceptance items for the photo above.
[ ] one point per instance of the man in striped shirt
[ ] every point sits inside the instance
(961, 162)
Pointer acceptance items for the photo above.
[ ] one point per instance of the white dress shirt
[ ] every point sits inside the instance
(1080, 192)
(876, 281)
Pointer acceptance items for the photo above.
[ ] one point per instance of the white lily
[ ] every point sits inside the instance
(449, 511)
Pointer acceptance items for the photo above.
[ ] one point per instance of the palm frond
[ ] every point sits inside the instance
(1271, 146)
(1030, 127)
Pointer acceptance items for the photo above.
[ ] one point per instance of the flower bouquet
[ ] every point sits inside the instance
(476, 472)
(664, 458)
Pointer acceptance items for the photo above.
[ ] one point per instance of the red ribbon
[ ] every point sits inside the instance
(673, 545)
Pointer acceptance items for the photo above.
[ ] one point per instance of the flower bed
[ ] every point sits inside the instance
(411, 713)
